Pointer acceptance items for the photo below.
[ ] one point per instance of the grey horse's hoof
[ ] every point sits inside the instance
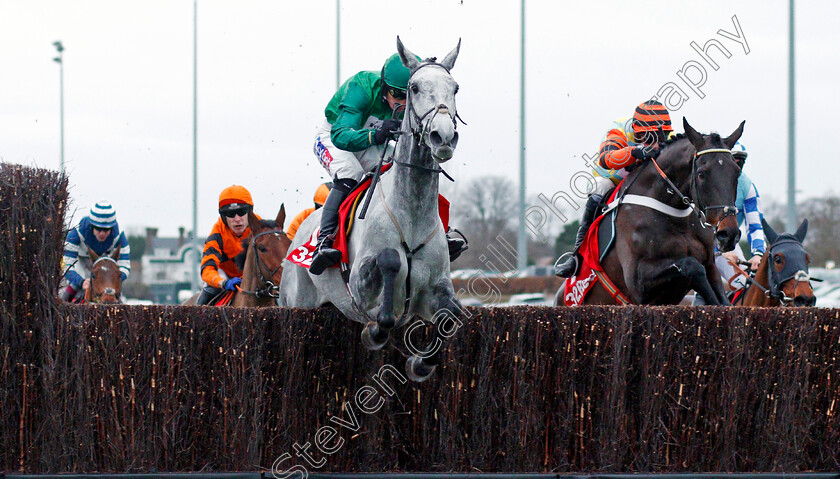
(374, 337)
(417, 370)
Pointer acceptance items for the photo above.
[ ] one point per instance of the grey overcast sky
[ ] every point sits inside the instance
(266, 70)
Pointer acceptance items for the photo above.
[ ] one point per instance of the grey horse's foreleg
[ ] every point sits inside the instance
(446, 321)
(381, 272)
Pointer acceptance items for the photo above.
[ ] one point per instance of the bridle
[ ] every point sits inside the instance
(421, 120)
(698, 206)
(774, 290)
(106, 291)
(269, 289)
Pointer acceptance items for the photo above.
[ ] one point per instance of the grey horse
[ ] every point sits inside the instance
(398, 254)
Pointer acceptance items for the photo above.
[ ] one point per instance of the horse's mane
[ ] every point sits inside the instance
(239, 260)
(680, 139)
(673, 139)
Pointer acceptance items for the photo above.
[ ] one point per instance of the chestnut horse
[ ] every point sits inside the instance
(671, 216)
(261, 262)
(787, 281)
(105, 281)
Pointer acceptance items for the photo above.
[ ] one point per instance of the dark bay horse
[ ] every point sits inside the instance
(261, 262)
(665, 248)
(782, 278)
(105, 281)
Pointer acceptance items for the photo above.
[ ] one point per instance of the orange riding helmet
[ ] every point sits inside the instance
(650, 115)
(235, 194)
(321, 194)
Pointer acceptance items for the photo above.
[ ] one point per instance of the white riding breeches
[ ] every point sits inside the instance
(727, 271)
(342, 164)
(602, 186)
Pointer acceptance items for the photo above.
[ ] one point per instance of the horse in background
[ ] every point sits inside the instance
(105, 279)
(669, 218)
(261, 263)
(782, 277)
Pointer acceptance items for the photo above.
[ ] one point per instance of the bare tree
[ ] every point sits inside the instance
(823, 214)
(485, 210)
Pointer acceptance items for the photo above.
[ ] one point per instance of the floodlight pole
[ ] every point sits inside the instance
(60, 60)
(196, 245)
(791, 196)
(522, 240)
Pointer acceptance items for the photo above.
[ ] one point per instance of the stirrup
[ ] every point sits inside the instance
(558, 264)
(324, 258)
(460, 244)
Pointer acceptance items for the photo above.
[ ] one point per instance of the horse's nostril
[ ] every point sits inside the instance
(435, 138)
(805, 301)
(454, 142)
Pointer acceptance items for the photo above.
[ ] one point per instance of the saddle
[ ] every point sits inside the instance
(347, 214)
(597, 243)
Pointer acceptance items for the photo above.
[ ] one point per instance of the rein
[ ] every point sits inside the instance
(269, 289)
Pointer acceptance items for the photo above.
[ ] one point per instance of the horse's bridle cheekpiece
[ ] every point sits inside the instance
(269, 289)
(728, 210)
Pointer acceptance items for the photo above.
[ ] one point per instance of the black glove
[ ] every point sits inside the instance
(386, 131)
(644, 152)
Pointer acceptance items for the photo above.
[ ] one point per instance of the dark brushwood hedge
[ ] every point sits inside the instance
(136, 389)
(524, 389)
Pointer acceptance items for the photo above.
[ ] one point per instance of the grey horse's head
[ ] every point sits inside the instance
(431, 102)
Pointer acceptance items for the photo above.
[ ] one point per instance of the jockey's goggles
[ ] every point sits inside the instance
(647, 137)
(97, 228)
(237, 211)
(397, 93)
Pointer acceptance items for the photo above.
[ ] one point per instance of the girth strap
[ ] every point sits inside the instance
(409, 253)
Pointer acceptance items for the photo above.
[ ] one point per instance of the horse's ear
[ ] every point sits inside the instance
(93, 256)
(694, 137)
(116, 255)
(281, 217)
(768, 231)
(802, 230)
(408, 58)
(449, 61)
(733, 138)
(254, 223)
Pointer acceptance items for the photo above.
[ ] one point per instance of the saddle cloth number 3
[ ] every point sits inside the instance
(302, 255)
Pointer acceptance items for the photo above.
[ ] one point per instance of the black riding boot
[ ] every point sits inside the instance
(325, 254)
(207, 293)
(570, 267)
(67, 294)
(456, 245)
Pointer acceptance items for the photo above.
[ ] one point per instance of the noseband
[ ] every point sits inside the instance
(269, 289)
